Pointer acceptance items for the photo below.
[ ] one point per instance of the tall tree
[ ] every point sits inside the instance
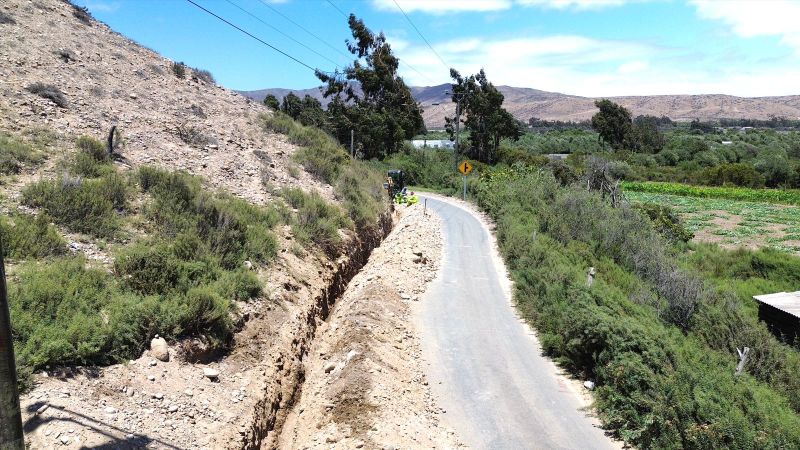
(311, 112)
(373, 97)
(483, 115)
(645, 135)
(613, 123)
(292, 106)
(271, 102)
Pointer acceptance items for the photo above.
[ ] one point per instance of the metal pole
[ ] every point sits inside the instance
(465, 188)
(11, 436)
(352, 151)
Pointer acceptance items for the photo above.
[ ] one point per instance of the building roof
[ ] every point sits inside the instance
(788, 302)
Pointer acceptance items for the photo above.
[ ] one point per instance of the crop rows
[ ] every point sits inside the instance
(780, 196)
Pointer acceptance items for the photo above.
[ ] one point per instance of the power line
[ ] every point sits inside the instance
(284, 34)
(304, 29)
(420, 34)
(337, 8)
(255, 37)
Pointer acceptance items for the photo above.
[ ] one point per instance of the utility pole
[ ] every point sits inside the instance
(459, 96)
(352, 151)
(11, 436)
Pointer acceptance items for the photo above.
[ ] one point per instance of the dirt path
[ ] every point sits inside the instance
(365, 385)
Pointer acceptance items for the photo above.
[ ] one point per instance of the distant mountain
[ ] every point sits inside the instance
(525, 103)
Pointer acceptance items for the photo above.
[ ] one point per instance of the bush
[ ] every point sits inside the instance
(84, 206)
(230, 228)
(316, 220)
(92, 159)
(666, 222)
(16, 154)
(49, 92)
(179, 69)
(739, 174)
(82, 13)
(204, 76)
(358, 185)
(27, 236)
(655, 338)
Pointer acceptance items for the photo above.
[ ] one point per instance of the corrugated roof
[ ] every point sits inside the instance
(788, 302)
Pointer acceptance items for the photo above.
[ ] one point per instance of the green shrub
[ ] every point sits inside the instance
(665, 221)
(85, 206)
(358, 184)
(232, 229)
(204, 76)
(16, 154)
(663, 366)
(316, 220)
(92, 160)
(27, 236)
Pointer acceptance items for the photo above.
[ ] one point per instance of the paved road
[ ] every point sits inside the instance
(485, 368)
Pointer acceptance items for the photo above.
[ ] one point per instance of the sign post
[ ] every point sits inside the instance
(465, 168)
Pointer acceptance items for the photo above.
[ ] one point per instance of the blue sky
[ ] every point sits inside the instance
(580, 47)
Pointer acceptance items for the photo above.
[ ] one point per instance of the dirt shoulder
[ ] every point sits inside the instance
(365, 385)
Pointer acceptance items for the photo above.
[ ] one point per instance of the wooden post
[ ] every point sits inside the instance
(742, 359)
(111, 140)
(11, 436)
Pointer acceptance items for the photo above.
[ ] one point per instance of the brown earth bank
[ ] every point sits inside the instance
(365, 385)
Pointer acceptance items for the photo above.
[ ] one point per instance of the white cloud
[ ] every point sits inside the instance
(454, 6)
(751, 19)
(442, 6)
(590, 67)
(632, 66)
(573, 4)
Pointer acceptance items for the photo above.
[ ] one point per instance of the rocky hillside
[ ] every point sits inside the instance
(525, 103)
(106, 79)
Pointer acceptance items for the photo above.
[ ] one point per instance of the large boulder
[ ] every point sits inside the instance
(159, 349)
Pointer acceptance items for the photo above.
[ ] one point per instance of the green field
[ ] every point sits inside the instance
(733, 223)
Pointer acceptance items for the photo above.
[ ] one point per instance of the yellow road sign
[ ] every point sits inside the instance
(465, 167)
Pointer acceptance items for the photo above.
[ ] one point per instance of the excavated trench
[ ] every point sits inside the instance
(287, 374)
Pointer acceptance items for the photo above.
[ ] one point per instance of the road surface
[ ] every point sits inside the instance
(485, 367)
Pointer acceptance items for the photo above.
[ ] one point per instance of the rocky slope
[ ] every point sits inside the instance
(525, 103)
(109, 80)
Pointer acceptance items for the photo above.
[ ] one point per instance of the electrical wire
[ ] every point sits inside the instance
(254, 37)
(284, 34)
(421, 35)
(304, 29)
(337, 8)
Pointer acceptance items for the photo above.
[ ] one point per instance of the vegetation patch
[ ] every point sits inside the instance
(182, 280)
(28, 236)
(16, 154)
(49, 92)
(658, 341)
(315, 220)
(780, 196)
(357, 184)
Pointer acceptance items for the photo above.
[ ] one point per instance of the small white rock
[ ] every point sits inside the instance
(211, 374)
(588, 384)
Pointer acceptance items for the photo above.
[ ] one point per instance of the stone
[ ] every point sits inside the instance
(211, 374)
(351, 354)
(64, 440)
(159, 349)
(158, 396)
(151, 377)
(248, 265)
(329, 367)
(110, 410)
(173, 408)
(589, 384)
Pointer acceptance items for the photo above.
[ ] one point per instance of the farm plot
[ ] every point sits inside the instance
(733, 223)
